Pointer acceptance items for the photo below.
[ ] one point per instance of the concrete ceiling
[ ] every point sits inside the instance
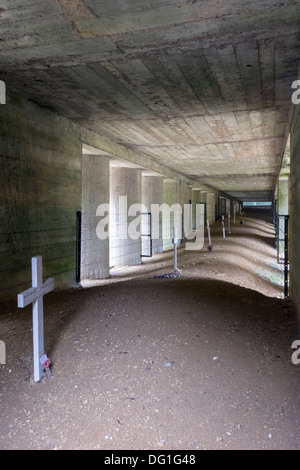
(201, 87)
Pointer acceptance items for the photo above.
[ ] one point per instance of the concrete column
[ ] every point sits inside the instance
(152, 193)
(227, 206)
(196, 199)
(186, 203)
(283, 196)
(125, 248)
(283, 209)
(203, 197)
(185, 193)
(211, 207)
(236, 211)
(171, 195)
(95, 191)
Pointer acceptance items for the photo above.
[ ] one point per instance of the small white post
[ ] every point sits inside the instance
(35, 295)
(2, 352)
(2, 92)
(209, 238)
(223, 223)
(175, 242)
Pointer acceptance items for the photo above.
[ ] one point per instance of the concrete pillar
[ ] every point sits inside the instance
(95, 191)
(236, 211)
(152, 193)
(185, 193)
(171, 195)
(211, 207)
(196, 199)
(203, 197)
(283, 209)
(227, 206)
(125, 246)
(283, 196)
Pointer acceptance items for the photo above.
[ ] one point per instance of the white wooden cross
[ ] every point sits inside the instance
(35, 295)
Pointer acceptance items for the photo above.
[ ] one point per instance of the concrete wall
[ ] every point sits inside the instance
(124, 250)
(95, 192)
(40, 192)
(294, 211)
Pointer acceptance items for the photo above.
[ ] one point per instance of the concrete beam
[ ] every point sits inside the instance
(109, 147)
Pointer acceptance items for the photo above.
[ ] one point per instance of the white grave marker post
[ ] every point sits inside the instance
(223, 223)
(209, 238)
(35, 295)
(175, 243)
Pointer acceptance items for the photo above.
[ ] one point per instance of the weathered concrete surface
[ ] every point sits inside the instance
(175, 193)
(200, 87)
(211, 207)
(95, 192)
(294, 211)
(125, 248)
(152, 193)
(40, 192)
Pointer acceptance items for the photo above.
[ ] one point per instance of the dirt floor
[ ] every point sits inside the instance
(198, 362)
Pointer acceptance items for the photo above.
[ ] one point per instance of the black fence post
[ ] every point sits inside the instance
(286, 256)
(78, 245)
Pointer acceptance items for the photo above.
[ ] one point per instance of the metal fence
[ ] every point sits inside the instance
(282, 245)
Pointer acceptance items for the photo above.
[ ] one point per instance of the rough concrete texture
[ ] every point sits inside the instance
(40, 193)
(152, 193)
(294, 211)
(200, 87)
(195, 200)
(171, 196)
(283, 196)
(211, 207)
(95, 192)
(125, 249)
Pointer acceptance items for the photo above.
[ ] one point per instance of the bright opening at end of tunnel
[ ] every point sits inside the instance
(258, 204)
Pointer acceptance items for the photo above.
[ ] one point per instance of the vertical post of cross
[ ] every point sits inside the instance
(2, 92)
(209, 237)
(2, 353)
(223, 224)
(35, 295)
(37, 316)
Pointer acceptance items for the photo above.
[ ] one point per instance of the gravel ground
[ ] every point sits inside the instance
(202, 361)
